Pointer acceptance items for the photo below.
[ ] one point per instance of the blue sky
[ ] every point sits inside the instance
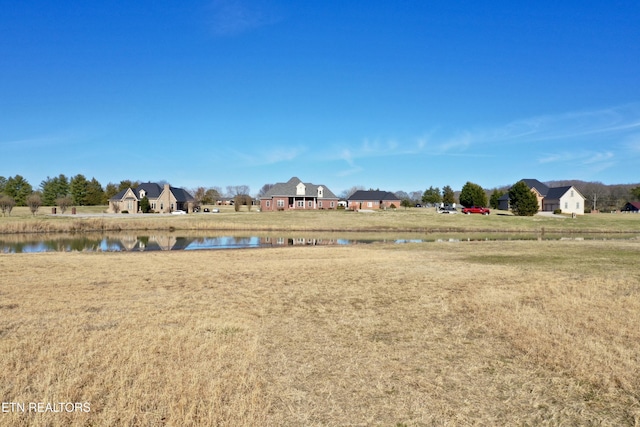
(396, 95)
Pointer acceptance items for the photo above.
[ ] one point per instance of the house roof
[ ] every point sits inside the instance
(543, 189)
(636, 205)
(556, 192)
(181, 195)
(153, 191)
(289, 189)
(540, 187)
(373, 195)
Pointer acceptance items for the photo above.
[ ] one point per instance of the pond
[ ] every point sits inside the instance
(171, 241)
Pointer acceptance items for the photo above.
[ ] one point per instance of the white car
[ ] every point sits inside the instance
(178, 212)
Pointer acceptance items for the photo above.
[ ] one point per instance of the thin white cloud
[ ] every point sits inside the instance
(569, 125)
(52, 140)
(592, 159)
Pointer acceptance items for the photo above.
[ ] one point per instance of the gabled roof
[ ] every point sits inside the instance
(289, 189)
(181, 195)
(373, 195)
(153, 191)
(540, 187)
(555, 193)
(636, 205)
(531, 183)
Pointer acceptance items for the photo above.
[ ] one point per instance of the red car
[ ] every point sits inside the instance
(477, 210)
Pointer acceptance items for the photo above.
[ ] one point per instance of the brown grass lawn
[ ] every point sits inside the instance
(486, 333)
(401, 220)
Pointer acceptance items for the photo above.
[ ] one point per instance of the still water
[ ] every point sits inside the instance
(171, 241)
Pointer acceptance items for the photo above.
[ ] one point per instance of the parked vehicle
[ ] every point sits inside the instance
(476, 210)
(448, 209)
(179, 212)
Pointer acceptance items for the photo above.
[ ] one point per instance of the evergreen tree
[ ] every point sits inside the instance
(522, 200)
(18, 189)
(78, 188)
(54, 188)
(127, 183)
(431, 195)
(110, 190)
(473, 195)
(494, 200)
(448, 195)
(95, 193)
(145, 206)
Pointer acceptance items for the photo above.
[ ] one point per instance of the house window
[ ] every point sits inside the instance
(301, 203)
(566, 205)
(571, 193)
(280, 203)
(331, 204)
(577, 205)
(161, 206)
(310, 204)
(369, 204)
(268, 204)
(320, 205)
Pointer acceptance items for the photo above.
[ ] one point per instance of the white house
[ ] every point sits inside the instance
(568, 199)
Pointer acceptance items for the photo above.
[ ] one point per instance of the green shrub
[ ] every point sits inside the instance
(557, 211)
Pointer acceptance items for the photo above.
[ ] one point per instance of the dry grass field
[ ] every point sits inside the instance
(89, 219)
(473, 333)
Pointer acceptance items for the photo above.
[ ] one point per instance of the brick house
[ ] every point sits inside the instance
(372, 199)
(295, 194)
(163, 199)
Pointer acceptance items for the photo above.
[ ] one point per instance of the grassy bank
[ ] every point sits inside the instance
(489, 333)
(401, 220)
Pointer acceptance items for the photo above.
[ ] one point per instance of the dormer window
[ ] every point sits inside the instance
(142, 193)
(320, 191)
(300, 189)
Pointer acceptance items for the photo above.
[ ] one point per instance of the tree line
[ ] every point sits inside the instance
(79, 191)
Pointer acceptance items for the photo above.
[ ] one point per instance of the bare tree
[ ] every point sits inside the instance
(116, 207)
(235, 190)
(265, 188)
(349, 191)
(34, 201)
(64, 203)
(6, 205)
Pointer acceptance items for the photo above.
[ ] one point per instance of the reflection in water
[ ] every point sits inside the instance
(124, 242)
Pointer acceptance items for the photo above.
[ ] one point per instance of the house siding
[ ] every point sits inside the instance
(296, 195)
(164, 202)
(570, 202)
